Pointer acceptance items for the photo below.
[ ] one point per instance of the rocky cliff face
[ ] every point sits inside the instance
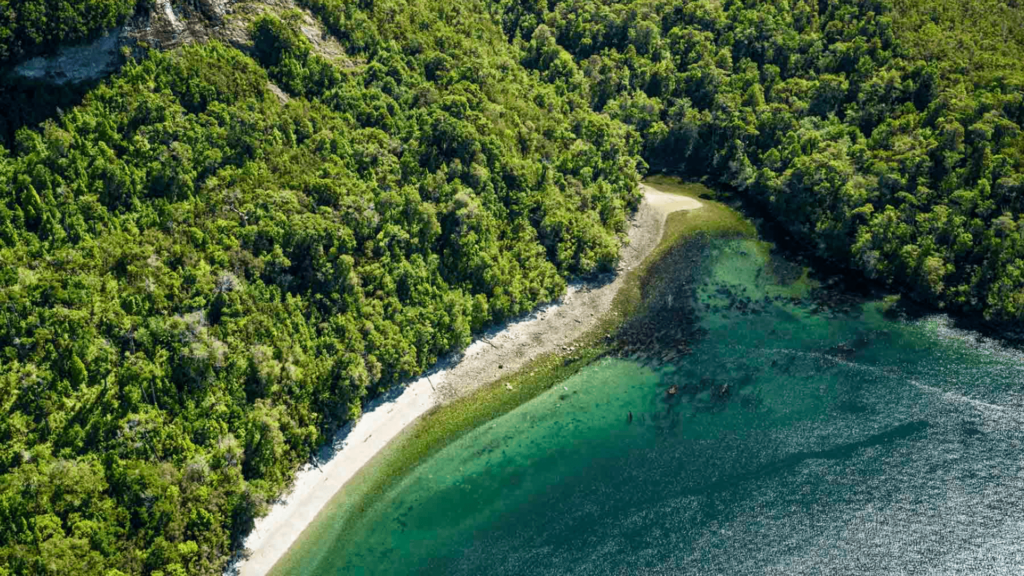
(165, 25)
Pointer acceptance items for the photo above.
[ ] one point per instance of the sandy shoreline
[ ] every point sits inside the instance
(510, 347)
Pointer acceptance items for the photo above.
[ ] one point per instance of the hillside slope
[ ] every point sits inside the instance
(201, 279)
(38, 88)
(887, 140)
(209, 260)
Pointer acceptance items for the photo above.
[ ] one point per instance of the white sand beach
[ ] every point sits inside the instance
(501, 350)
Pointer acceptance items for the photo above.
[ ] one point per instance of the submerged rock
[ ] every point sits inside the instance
(722, 393)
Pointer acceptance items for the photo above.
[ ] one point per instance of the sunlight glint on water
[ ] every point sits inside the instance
(900, 453)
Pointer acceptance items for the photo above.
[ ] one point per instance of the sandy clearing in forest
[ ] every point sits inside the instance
(510, 347)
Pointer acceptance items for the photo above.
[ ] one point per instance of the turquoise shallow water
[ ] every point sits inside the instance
(846, 443)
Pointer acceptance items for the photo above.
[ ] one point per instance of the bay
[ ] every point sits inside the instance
(803, 438)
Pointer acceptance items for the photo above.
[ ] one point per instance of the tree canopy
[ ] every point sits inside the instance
(32, 27)
(884, 136)
(200, 279)
(212, 260)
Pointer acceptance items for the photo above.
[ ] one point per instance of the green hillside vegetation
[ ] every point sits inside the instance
(200, 279)
(29, 102)
(199, 283)
(969, 40)
(885, 140)
(32, 27)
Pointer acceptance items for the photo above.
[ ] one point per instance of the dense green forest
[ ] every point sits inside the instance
(200, 282)
(32, 27)
(885, 138)
(209, 263)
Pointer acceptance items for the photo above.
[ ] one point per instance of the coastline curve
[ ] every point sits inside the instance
(500, 351)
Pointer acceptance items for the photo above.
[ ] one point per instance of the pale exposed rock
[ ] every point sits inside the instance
(244, 13)
(166, 26)
(282, 96)
(76, 63)
(214, 10)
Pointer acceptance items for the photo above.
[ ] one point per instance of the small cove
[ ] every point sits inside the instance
(803, 439)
